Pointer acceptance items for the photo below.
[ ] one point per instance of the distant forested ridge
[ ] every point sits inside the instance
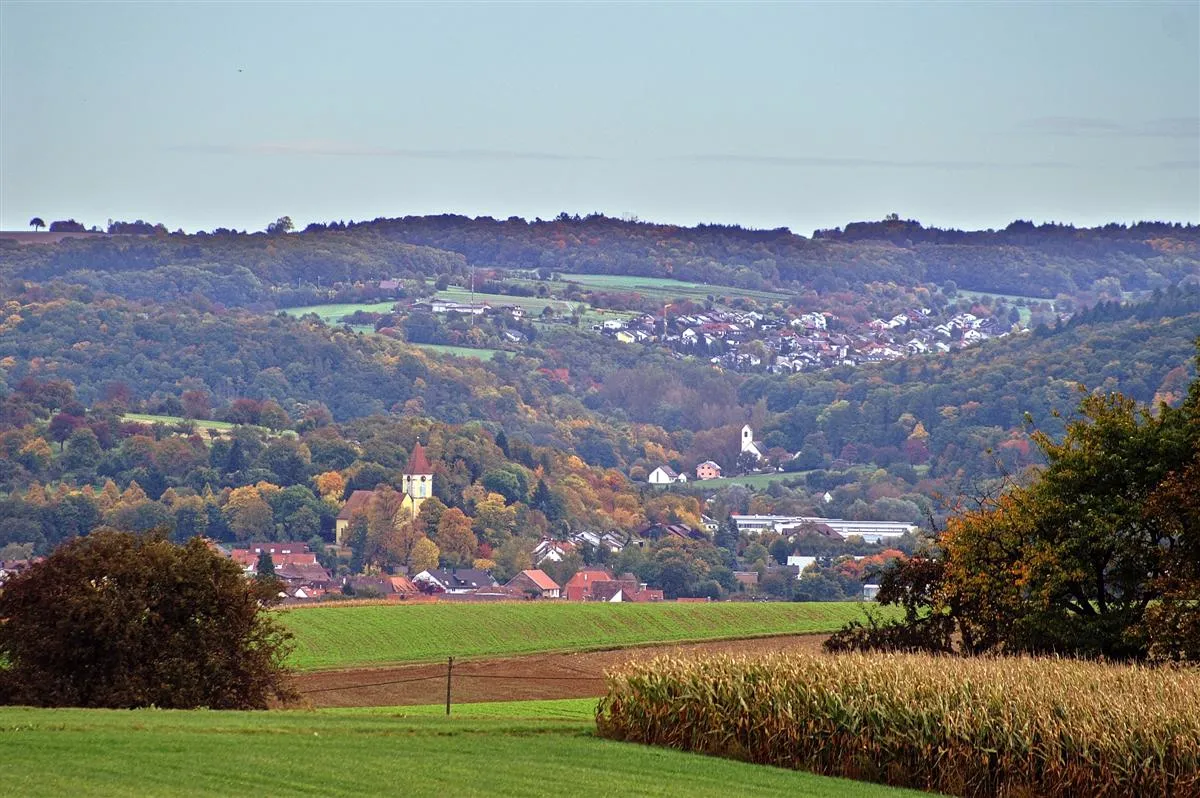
(282, 269)
(1021, 259)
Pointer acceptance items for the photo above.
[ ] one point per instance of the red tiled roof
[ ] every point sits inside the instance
(589, 575)
(541, 579)
(418, 464)
(402, 584)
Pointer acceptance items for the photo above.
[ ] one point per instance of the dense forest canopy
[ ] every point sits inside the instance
(238, 268)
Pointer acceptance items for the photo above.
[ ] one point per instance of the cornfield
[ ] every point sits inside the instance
(972, 727)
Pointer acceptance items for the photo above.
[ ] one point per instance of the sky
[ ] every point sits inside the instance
(806, 115)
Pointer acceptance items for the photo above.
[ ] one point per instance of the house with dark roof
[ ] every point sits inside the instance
(534, 583)
(457, 580)
(665, 475)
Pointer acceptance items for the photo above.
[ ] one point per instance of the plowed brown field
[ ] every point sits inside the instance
(535, 677)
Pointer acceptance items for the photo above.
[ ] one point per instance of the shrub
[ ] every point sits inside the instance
(117, 620)
(970, 727)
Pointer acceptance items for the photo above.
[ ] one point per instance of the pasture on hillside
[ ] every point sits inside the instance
(758, 481)
(334, 313)
(343, 636)
(525, 751)
(667, 289)
(205, 428)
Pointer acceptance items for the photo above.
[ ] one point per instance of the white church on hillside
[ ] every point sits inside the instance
(749, 444)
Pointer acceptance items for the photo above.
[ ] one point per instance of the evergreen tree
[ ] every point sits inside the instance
(266, 566)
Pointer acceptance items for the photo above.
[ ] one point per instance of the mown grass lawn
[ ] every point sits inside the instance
(343, 636)
(492, 750)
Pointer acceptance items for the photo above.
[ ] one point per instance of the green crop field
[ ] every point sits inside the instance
(507, 750)
(343, 636)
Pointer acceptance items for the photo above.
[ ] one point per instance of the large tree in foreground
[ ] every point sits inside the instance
(1098, 555)
(118, 620)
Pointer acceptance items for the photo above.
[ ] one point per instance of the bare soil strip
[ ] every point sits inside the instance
(533, 677)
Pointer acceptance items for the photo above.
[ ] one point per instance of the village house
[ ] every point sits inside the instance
(611, 541)
(552, 550)
(534, 583)
(282, 554)
(665, 475)
(594, 584)
(708, 470)
(454, 581)
(579, 586)
(393, 588)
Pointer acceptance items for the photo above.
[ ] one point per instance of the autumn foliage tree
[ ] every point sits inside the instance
(1097, 556)
(119, 620)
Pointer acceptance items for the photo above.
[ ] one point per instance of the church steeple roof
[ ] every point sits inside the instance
(418, 463)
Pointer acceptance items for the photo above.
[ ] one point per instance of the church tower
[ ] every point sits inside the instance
(417, 484)
(749, 444)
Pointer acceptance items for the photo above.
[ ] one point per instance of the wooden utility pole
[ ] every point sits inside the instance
(449, 671)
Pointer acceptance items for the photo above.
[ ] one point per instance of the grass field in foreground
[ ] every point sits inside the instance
(509, 750)
(343, 636)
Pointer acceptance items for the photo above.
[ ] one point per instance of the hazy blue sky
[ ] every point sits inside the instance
(799, 114)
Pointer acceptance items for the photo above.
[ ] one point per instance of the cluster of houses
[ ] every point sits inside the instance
(305, 579)
(804, 343)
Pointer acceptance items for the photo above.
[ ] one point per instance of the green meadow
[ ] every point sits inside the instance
(333, 314)
(345, 635)
(459, 351)
(667, 289)
(520, 749)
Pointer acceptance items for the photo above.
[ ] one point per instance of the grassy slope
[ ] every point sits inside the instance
(509, 750)
(333, 636)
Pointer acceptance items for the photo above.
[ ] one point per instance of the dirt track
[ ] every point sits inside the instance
(538, 676)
